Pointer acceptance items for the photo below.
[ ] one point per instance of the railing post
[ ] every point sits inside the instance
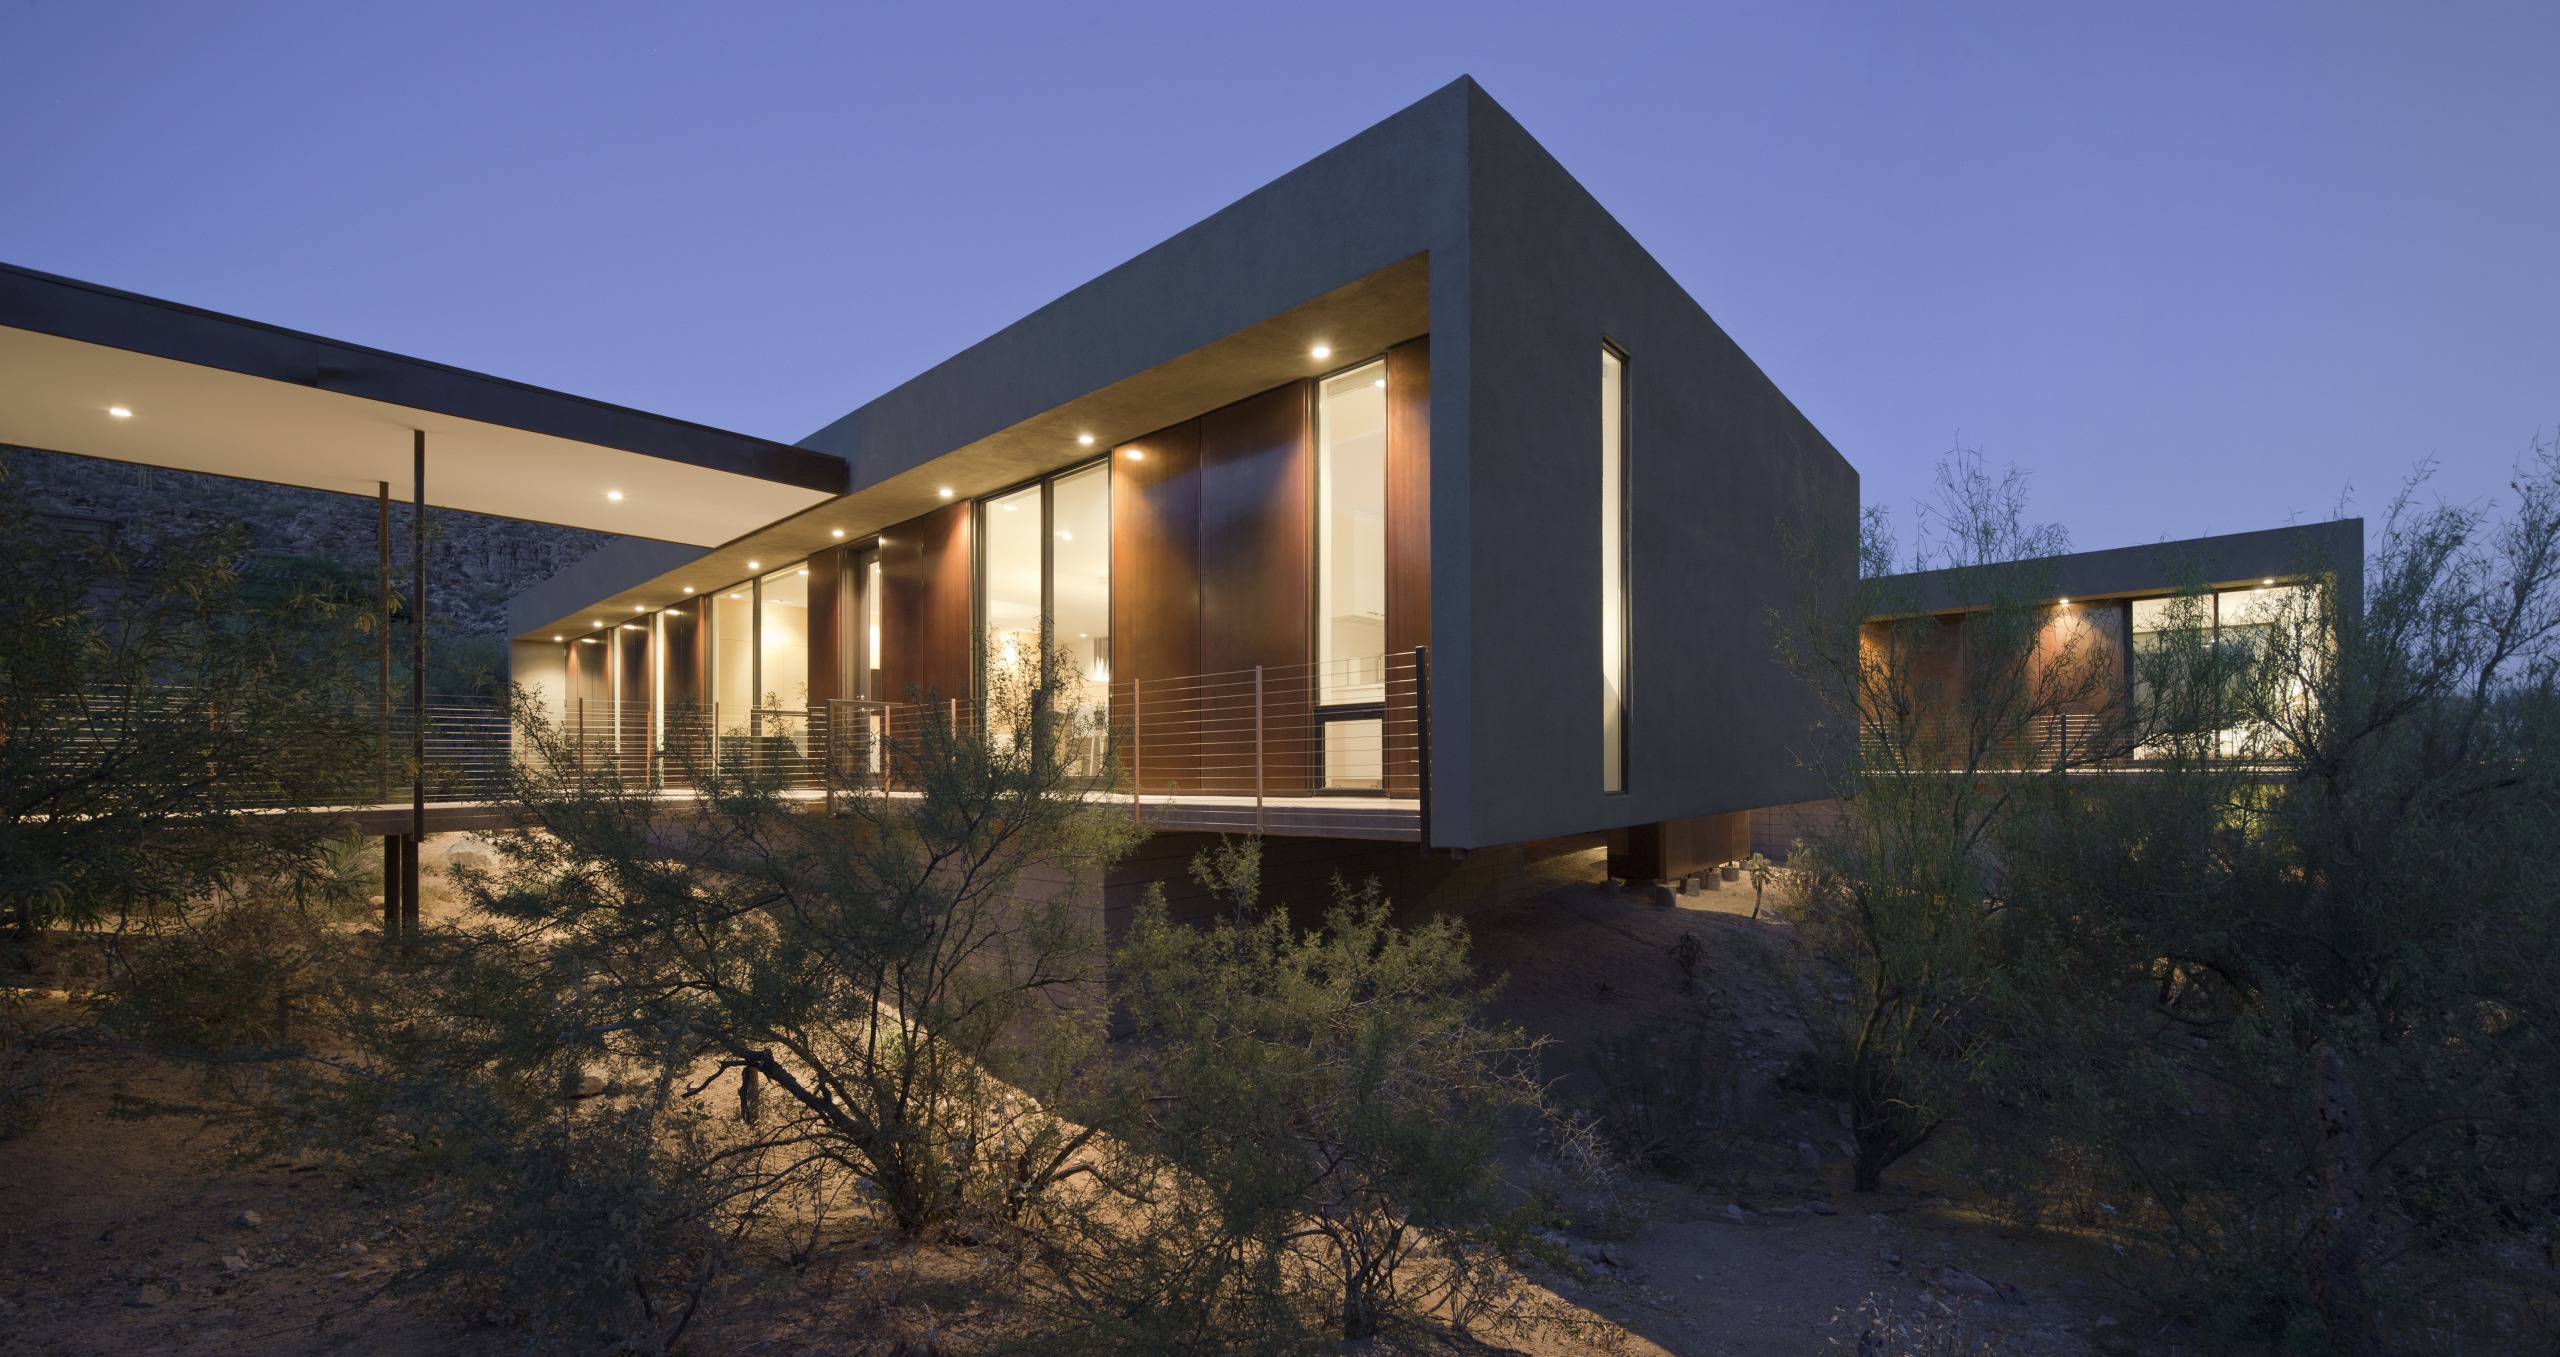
(1422, 744)
(1257, 749)
(1137, 751)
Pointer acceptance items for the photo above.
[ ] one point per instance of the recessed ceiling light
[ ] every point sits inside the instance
(945, 492)
(597, 623)
(119, 412)
(2268, 580)
(638, 608)
(2066, 602)
(613, 494)
(1085, 438)
(1322, 350)
(1137, 455)
(688, 588)
(839, 532)
(751, 565)
(559, 638)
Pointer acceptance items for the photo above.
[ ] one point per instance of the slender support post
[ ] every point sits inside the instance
(1422, 743)
(382, 642)
(409, 889)
(390, 888)
(417, 683)
(1257, 749)
(1137, 752)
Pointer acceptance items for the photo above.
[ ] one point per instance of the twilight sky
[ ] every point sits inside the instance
(2197, 268)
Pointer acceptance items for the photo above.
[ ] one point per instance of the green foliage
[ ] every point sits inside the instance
(158, 719)
(1896, 911)
(877, 989)
(2370, 875)
(1310, 1124)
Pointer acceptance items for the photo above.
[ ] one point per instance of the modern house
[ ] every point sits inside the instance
(1406, 504)
(1407, 501)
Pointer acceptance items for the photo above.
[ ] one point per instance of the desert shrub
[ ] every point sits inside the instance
(2291, 1014)
(665, 1029)
(159, 716)
(1897, 908)
(1308, 1124)
(226, 974)
(1670, 1102)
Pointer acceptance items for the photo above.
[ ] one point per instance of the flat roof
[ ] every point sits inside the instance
(209, 392)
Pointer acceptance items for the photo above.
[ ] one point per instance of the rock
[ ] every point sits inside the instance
(588, 1086)
(235, 1263)
(146, 1297)
(1664, 897)
(1891, 1255)
(1808, 1159)
(248, 1220)
(1823, 1209)
(1734, 1211)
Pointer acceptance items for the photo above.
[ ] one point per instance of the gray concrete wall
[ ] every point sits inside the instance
(1391, 192)
(2305, 550)
(1725, 472)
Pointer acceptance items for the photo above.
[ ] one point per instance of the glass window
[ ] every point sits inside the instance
(1613, 571)
(733, 656)
(871, 607)
(1080, 575)
(1351, 535)
(1011, 568)
(782, 639)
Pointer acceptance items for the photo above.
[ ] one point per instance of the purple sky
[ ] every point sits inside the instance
(2197, 268)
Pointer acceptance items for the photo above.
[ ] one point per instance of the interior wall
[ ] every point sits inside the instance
(1408, 535)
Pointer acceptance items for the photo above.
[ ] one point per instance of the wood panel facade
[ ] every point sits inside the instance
(928, 615)
(1213, 567)
(1155, 598)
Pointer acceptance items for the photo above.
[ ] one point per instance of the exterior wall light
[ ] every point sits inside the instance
(119, 412)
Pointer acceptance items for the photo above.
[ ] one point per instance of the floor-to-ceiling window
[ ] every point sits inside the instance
(1613, 570)
(1351, 574)
(1080, 602)
(782, 640)
(1010, 576)
(1044, 578)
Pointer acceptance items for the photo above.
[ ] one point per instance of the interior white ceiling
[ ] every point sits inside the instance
(55, 394)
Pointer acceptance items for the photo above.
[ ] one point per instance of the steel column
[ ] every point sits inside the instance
(417, 682)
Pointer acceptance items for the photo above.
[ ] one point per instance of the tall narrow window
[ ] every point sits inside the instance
(1011, 533)
(1351, 575)
(872, 687)
(1613, 570)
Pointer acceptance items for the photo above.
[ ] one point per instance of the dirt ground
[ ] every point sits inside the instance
(126, 1227)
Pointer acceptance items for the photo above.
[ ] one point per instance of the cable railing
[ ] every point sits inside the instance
(1334, 748)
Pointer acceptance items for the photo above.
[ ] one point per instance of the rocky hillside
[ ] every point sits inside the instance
(474, 562)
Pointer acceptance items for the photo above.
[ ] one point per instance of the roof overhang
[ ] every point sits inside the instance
(1355, 320)
(214, 393)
